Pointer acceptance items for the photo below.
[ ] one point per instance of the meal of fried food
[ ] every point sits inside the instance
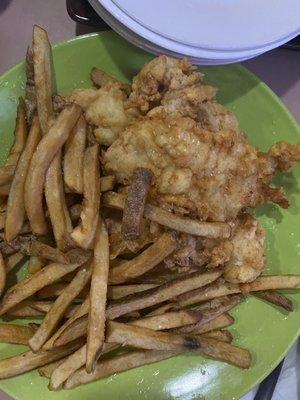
(135, 204)
(74, 155)
(84, 233)
(20, 135)
(98, 295)
(15, 212)
(152, 269)
(41, 160)
(41, 50)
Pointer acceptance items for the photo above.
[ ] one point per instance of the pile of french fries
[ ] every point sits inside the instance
(53, 210)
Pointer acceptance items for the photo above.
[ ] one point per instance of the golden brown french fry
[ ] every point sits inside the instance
(17, 334)
(153, 340)
(12, 261)
(47, 148)
(74, 155)
(24, 309)
(58, 309)
(107, 183)
(221, 288)
(135, 203)
(30, 96)
(98, 294)
(56, 203)
(15, 213)
(84, 233)
(116, 292)
(222, 335)
(145, 261)
(20, 135)
(39, 249)
(82, 311)
(6, 174)
(35, 264)
(276, 298)
(2, 274)
(29, 360)
(71, 364)
(47, 370)
(160, 294)
(223, 321)
(214, 312)
(73, 331)
(31, 285)
(181, 224)
(117, 364)
(41, 50)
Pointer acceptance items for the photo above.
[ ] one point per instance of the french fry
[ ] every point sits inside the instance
(47, 370)
(6, 174)
(82, 311)
(41, 50)
(98, 294)
(221, 288)
(71, 364)
(58, 309)
(135, 203)
(153, 340)
(116, 292)
(74, 155)
(17, 334)
(24, 309)
(2, 274)
(31, 285)
(15, 213)
(162, 309)
(40, 162)
(53, 290)
(30, 95)
(29, 360)
(117, 364)
(181, 224)
(160, 294)
(212, 313)
(84, 233)
(276, 298)
(45, 306)
(39, 249)
(35, 264)
(222, 335)
(73, 331)
(145, 261)
(56, 203)
(107, 183)
(20, 135)
(223, 321)
(12, 261)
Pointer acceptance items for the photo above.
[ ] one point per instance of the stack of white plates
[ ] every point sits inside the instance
(206, 31)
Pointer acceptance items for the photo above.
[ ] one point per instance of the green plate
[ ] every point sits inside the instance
(262, 328)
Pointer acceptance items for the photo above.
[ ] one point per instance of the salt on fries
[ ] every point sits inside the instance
(97, 268)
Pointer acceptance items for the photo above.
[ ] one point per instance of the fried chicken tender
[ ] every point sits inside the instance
(213, 175)
(169, 85)
(105, 109)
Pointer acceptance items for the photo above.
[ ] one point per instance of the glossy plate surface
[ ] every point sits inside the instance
(262, 328)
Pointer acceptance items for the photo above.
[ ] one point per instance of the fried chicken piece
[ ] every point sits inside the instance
(105, 109)
(213, 175)
(247, 257)
(169, 85)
